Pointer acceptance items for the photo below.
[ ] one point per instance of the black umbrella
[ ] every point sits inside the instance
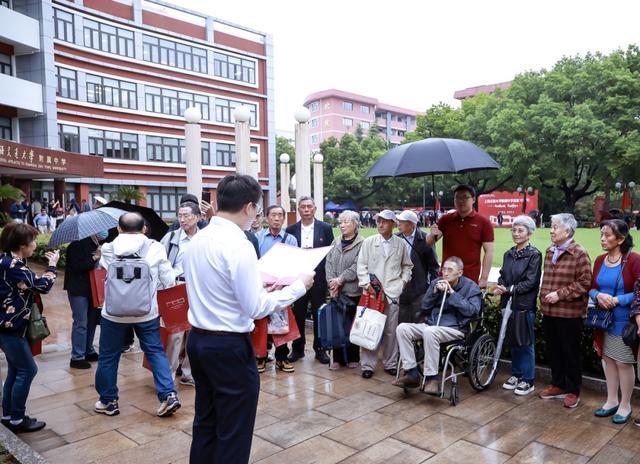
(157, 227)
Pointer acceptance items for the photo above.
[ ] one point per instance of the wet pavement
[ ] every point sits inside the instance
(315, 416)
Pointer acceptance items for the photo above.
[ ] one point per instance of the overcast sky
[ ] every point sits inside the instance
(417, 53)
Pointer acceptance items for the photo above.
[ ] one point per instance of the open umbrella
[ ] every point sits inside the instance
(157, 227)
(84, 225)
(506, 314)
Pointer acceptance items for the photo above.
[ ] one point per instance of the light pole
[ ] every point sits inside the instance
(318, 185)
(285, 202)
(632, 187)
(527, 191)
(193, 151)
(242, 115)
(303, 153)
(253, 159)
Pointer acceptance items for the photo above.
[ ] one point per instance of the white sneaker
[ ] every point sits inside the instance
(511, 383)
(524, 388)
(169, 405)
(187, 381)
(110, 409)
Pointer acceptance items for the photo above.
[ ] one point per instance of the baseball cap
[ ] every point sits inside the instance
(386, 214)
(408, 215)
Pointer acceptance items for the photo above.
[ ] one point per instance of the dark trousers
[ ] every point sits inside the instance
(351, 352)
(564, 337)
(314, 297)
(227, 387)
(408, 308)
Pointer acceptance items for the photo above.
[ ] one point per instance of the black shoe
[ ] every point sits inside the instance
(367, 374)
(293, 357)
(28, 424)
(392, 372)
(79, 364)
(93, 357)
(322, 357)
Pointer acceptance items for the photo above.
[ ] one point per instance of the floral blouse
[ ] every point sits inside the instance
(17, 286)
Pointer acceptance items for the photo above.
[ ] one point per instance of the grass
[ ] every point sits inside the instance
(588, 238)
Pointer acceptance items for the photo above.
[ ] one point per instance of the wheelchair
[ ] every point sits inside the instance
(472, 356)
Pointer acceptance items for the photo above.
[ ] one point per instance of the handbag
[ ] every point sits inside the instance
(368, 325)
(37, 330)
(630, 335)
(600, 318)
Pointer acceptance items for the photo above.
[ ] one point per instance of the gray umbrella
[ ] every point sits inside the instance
(84, 225)
(506, 314)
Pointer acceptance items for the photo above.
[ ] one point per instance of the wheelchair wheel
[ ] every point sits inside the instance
(453, 395)
(481, 356)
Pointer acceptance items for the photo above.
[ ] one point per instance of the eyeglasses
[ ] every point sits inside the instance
(462, 198)
(258, 208)
(185, 216)
(450, 269)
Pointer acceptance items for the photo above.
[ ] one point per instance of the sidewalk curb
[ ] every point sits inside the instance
(22, 452)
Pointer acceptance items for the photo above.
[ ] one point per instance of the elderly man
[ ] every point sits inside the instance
(425, 265)
(563, 296)
(463, 301)
(385, 257)
(465, 233)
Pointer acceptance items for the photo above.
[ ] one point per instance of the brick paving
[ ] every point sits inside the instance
(315, 416)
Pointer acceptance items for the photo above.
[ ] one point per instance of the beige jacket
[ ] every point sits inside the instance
(394, 271)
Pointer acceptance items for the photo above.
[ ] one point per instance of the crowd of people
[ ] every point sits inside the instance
(422, 301)
(45, 215)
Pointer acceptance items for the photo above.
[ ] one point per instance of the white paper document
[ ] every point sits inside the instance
(282, 264)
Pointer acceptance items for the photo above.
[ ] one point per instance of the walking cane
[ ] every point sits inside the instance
(444, 297)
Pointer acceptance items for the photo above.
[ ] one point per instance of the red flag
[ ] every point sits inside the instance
(626, 200)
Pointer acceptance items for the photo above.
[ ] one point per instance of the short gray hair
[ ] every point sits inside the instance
(525, 221)
(195, 209)
(306, 198)
(567, 221)
(350, 216)
(455, 260)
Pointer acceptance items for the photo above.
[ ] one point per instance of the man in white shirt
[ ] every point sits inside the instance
(131, 241)
(222, 308)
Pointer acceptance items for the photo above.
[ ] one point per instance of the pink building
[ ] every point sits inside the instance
(472, 91)
(335, 112)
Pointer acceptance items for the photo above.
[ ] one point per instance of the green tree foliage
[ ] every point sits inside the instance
(128, 194)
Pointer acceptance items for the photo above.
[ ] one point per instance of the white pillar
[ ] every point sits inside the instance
(303, 153)
(243, 163)
(318, 186)
(285, 201)
(193, 151)
(253, 157)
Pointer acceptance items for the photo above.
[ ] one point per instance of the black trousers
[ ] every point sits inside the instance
(314, 298)
(564, 339)
(227, 387)
(350, 353)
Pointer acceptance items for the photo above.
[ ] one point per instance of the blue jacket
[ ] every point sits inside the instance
(459, 308)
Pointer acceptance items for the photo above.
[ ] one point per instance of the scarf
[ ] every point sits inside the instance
(558, 250)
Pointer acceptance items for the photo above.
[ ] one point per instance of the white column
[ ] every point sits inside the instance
(303, 153)
(243, 163)
(285, 201)
(253, 157)
(193, 151)
(318, 186)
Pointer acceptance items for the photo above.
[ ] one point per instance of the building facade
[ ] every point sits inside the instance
(473, 91)
(111, 79)
(336, 112)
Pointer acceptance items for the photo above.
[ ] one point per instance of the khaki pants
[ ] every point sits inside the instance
(431, 337)
(177, 353)
(368, 358)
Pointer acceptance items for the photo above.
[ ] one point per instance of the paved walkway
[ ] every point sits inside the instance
(315, 416)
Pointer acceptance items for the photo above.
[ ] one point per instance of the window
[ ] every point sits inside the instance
(174, 54)
(381, 115)
(67, 83)
(401, 133)
(348, 122)
(400, 119)
(5, 64)
(5, 3)
(235, 68)
(225, 154)
(347, 106)
(173, 102)
(313, 123)
(5, 128)
(315, 138)
(364, 109)
(108, 38)
(112, 92)
(69, 138)
(365, 125)
(165, 200)
(167, 149)
(313, 107)
(63, 23)
(224, 111)
(109, 144)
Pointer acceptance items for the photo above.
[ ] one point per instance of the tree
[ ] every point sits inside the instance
(128, 194)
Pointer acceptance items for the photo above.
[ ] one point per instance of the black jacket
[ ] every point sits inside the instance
(254, 241)
(322, 236)
(79, 261)
(425, 267)
(523, 270)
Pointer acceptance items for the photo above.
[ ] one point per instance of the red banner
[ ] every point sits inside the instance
(510, 204)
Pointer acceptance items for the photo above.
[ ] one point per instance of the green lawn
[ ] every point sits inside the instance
(588, 238)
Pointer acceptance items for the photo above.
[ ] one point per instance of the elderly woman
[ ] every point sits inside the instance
(520, 280)
(614, 274)
(563, 296)
(17, 286)
(342, 278)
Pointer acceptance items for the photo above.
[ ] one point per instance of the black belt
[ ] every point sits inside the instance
(219, 333)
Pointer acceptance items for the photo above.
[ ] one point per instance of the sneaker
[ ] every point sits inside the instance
(353, 365)
(334, 366)
(187, 381)
(285, 366)
(79, 364)
(523, 388)
(261, 364)
(571, 400)
(169, 405)
(511, 383)
(552, 392)
(128, 349)
(28, 424)
(92, 357)
(110, 409)
(636, 422)
(270, 358)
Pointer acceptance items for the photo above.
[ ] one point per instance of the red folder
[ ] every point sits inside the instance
(97, 278)
(173, 306)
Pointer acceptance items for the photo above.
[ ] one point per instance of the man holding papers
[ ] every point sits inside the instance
(225, 295)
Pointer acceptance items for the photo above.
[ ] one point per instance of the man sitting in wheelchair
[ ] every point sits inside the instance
(462, 303)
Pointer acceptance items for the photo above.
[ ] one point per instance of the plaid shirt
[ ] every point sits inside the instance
(571, 278)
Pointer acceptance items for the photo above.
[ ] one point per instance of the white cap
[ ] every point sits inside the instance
(408, 215)
(386, 214)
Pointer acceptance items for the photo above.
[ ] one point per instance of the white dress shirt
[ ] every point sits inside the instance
(408, 240)
(224, 288)
(306, 235)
